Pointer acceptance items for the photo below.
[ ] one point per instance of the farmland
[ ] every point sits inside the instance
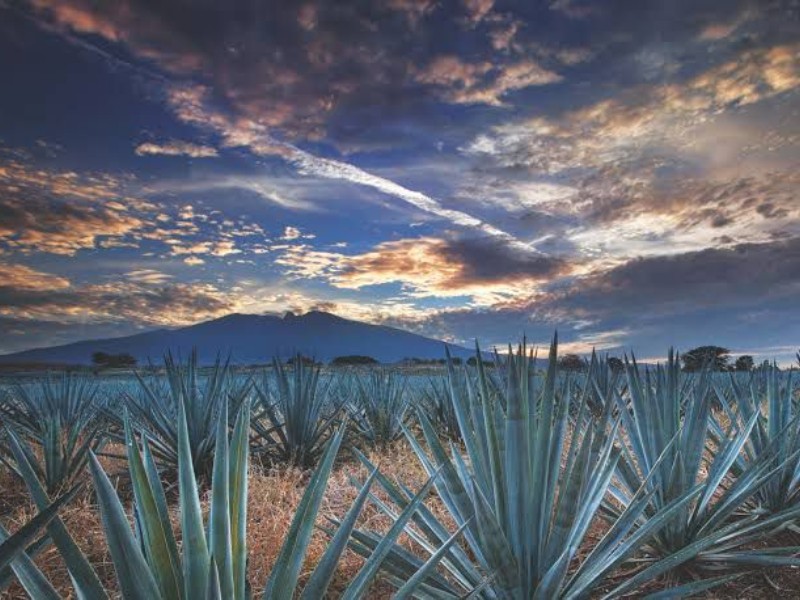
(505, 479)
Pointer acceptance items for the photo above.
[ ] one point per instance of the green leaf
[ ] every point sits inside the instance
(321, 577)
(195, 548)
(693, 588)
(410, 586)
(156, 540)
(238, 479)
(358, 587)
(283, 580)
(30, 577)
(81, 571)
(16, 543)
(220, 517)
(135, 580)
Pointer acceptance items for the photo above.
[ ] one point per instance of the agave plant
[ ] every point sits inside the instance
(438, 395)
(85, 580)
(157, 406)
(379, 405)
(59, 415)
(213, 558)
(670, 451)
(438, 404)
(295, 414)
(523, 514)
(776, 434)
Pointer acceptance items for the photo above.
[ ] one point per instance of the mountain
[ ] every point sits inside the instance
(254, 339)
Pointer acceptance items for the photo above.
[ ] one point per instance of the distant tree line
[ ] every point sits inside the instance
(717, 358)
(354, 360)
(104, 360)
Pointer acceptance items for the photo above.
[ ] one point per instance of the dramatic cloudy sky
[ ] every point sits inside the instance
(624, 171)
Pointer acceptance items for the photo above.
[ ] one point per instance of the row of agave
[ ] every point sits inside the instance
(688, 473)
(294, 412)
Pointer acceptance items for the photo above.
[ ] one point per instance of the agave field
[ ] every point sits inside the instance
(528, 482)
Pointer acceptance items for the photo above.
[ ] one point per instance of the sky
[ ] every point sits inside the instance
(625, 172)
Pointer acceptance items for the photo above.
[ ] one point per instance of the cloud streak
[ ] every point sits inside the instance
(176, 148)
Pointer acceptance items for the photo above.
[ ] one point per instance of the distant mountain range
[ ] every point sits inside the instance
(252, 339)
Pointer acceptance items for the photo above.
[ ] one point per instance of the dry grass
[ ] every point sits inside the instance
(273, 498)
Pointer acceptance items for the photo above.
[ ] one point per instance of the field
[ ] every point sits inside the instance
(511, 479)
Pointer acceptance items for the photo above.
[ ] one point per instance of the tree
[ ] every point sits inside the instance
(473, 362)
(615, 364)
(104, 360)
(299, 358)
(353, 359)
(716, 357)
(571, 362)
(744, 363)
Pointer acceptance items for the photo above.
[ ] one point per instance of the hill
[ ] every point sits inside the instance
(254, 339)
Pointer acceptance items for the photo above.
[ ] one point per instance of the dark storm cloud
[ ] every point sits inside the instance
(490, 260)
(744, 297)
(719, 276)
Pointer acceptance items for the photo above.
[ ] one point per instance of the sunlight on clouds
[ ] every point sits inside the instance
(483, 82)
(426, 267)
(176, 148)
(62, 212)
(20, 277)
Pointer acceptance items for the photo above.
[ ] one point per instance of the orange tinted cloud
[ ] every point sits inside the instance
(63, 212)
(483, 269)
(20, 277)
(482, 82)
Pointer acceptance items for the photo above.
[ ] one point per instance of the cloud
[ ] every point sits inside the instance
(291, 233)
(483, 82)
(478, 9)
(415, 10)
(620, 128)
(190, 104)
(21, 277)
(146, 32)
(739, 275)
(175, 148)
(169, 304)
(290, 193)
(484, 269)
(743, 297)
(148, 276)
(62, 212)
(659, 169)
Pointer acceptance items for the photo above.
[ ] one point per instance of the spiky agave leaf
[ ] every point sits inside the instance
(378, 405)
(772, 394)
(15, 544)
(60, 416)
(200, 393)
(663, 405)
(295, 414)
(154, 558)
(30, 577)
(83, 575)
(523, 514)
